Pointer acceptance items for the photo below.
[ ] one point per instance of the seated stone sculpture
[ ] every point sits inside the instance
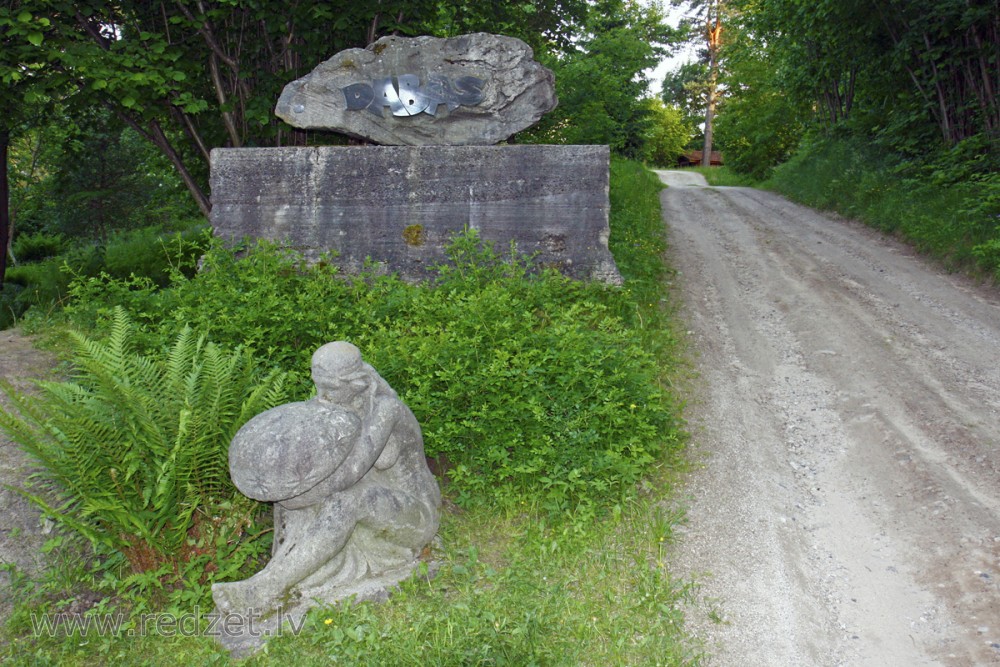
(354, 500)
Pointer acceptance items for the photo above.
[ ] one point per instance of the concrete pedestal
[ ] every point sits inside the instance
(400, 205)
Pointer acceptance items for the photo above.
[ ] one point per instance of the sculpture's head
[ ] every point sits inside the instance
(339, 373)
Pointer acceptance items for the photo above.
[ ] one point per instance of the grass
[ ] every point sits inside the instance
(946, 205)
(515, 584)
(724, 176)
(509, 591)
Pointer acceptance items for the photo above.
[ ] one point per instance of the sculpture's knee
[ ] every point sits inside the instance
(404, 519)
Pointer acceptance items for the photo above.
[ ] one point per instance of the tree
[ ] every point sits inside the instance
(705, 23)
(685, 88)
(105, 179)
(668, 134)
(762, 123)
(190, 75)
(23, 77)
(950, 51)
(888, 69)
(601, 78)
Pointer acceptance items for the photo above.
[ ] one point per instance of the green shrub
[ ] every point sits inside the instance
(507, 361)
(46, 283)
(146, 253)
(526, 384)
(150, 253)
(38, 246)
(133, 449)
(10, 308)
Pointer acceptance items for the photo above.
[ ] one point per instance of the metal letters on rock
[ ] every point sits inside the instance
(406, 97)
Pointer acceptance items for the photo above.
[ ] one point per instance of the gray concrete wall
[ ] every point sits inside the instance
(400, 205)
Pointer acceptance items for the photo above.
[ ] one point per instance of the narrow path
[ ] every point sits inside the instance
(848, 510)
(21, 533)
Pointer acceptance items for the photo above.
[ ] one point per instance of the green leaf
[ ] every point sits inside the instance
(24, 17)
(36, 38)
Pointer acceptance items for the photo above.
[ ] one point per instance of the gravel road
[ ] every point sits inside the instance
(848, 508)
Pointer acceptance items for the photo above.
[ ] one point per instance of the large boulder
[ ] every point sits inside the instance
(472, 90)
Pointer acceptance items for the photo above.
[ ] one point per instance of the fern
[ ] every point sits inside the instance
(132, 446)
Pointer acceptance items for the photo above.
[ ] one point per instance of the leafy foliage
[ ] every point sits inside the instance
(525, 383)
(686, 88)
(887, 69)
(134, 448)
(948, 205)
(91, 177)
(191, 76)
(521, 381)
(38, 246)
(601, 79)
(668, 134)
(509, 585)
(760, 124)
(146, 254)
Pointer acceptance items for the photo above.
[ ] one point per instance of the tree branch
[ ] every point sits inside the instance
(158, 138)
(191, 132)
(220, 94)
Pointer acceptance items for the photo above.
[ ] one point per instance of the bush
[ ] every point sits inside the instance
(46, 283)
(9, 305)
(550, 364)
(38, 246)
(150, 253)
(133, 450)
(527, 385)
(146, 253)
(667, 136)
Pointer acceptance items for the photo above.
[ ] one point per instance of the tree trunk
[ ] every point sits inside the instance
(4, 203)
(706, 156)
(161, 142)
(713, 38)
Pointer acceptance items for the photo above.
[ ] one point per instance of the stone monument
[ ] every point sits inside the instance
(438, 106)
(354, 500)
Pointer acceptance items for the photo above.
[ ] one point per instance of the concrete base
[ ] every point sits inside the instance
(400, 206)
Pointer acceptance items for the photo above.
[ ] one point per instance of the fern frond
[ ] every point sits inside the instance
(133, 445)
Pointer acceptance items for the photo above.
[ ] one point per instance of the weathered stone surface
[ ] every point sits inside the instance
(476, 89)
(355, 502)
(400, 206)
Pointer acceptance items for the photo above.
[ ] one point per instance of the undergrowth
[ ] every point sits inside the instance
(947, 205)
(47, 264)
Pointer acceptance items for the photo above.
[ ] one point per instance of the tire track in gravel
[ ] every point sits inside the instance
(848, 510)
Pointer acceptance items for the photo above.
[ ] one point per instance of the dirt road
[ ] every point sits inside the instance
(848, 509)
(21, 532)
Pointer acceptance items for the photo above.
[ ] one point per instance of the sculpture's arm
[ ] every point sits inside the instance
(376, 427)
